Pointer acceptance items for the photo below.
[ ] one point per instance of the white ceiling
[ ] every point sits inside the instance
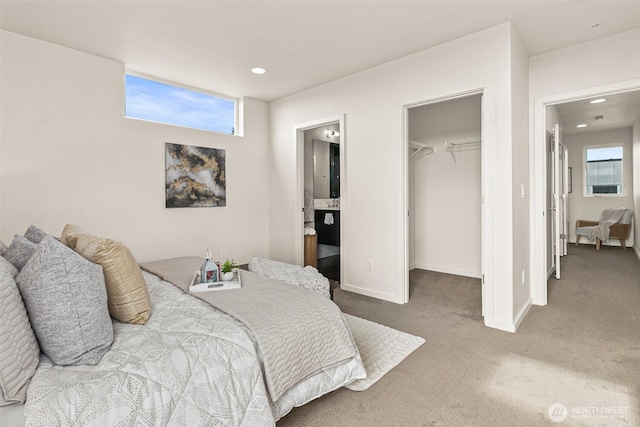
(302, 44)
(619, 110)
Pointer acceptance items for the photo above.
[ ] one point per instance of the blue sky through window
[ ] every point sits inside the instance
(160, 102)
(604, 153)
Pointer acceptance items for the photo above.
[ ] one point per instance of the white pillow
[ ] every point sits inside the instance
(19, 351)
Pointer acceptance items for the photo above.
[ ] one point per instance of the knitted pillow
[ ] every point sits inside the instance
(20, 251)
(34, 234)
(66, 300)
(128, 293)
(19, 351)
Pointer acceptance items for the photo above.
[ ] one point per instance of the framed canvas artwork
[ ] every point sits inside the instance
(194, 176)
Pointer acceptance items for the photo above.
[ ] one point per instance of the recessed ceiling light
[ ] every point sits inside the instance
(258, 70)
(597, 101)
(582, 125)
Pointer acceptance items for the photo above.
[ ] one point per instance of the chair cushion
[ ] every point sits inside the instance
(66, 300)
(127, 291)
(584, 231)
(19, 351)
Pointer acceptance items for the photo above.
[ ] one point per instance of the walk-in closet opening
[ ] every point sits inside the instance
(445, 194)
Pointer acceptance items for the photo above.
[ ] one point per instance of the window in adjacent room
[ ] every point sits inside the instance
(151, 100)
(603, 170)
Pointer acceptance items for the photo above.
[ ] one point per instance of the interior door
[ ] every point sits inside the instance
(559, 207)
(565, 200)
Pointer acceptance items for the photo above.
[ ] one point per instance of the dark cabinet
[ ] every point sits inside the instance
(328, 227)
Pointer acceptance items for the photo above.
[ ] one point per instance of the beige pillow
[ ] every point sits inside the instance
(70, 235)
(127, 292)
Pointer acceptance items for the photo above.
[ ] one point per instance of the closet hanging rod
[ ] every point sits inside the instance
(462, 142)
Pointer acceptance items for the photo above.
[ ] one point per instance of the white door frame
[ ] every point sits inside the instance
(538, 170)
(487, 193)
(298, 224)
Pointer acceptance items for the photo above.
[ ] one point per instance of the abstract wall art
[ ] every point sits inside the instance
(194, 176)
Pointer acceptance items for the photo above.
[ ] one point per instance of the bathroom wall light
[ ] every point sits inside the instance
(258, 70)
(331, 134)
(597, 101)
(582, 125)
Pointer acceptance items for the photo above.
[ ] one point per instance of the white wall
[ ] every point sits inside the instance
(69, 156)
(374, 214)
(580, 70)
(520, 181)
(446, 218)
(581, 207)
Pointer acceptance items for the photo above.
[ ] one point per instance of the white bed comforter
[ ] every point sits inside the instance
(189, 365)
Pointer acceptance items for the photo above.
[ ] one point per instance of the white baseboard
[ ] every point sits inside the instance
(498, 324)
(412, 266)
(523, 313)
(369, 293)
(449, 270)
(510, 327)
(637, 251)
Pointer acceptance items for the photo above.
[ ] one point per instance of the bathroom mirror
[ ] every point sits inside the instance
(326, 176)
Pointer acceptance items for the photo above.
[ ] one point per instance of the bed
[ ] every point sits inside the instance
(189, 363)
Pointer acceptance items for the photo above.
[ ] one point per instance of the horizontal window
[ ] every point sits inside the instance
(154, 101)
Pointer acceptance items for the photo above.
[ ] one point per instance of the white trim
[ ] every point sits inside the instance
(298, 224)
(384, 296)
(488, 195)
(537, 176)
(448, 270)
(522, 314)
(636, 249)
(498, 324)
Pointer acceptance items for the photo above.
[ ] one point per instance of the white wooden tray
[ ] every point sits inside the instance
(224, 285)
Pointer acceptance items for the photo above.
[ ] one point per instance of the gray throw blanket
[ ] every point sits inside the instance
(299, 333)
(608, 218)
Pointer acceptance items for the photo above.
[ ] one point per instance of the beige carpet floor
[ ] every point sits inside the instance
(581, 351)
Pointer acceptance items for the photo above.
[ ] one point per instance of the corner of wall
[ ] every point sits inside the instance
(519, 64)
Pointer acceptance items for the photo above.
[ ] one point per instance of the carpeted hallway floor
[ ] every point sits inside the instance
(582, 351)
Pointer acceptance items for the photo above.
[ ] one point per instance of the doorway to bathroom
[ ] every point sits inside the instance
(320, 178)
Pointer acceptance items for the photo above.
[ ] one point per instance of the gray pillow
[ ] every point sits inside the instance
(20, 251)
(20, 352)
(34, 234)
(66, 299)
